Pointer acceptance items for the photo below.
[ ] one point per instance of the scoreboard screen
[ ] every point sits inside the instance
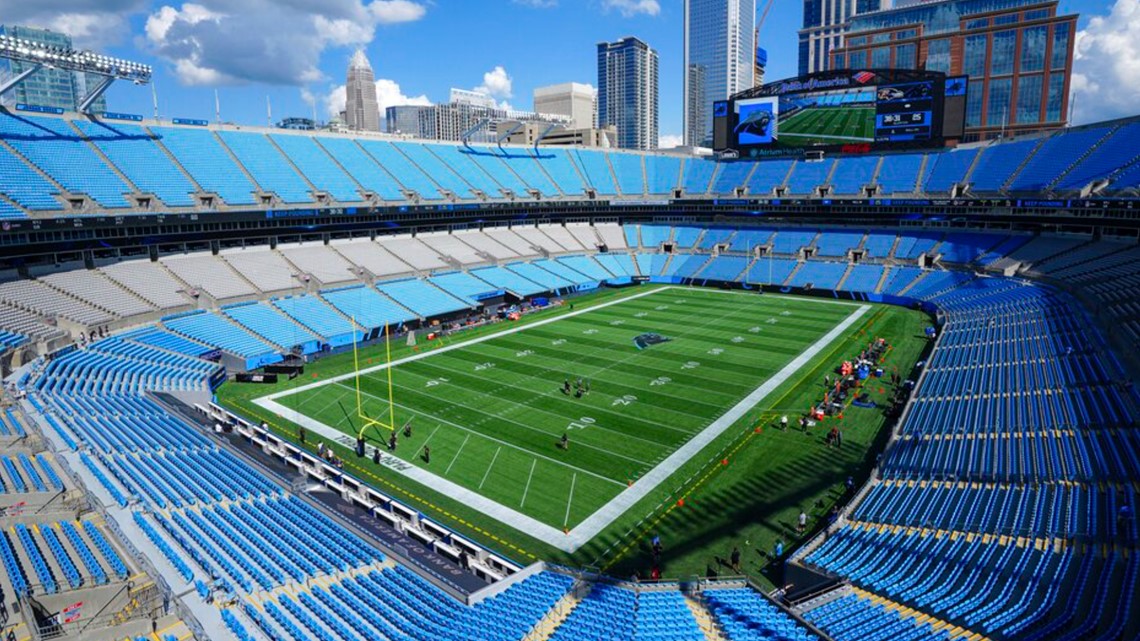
(847, 111)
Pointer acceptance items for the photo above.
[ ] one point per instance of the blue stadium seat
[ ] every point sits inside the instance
(269, 168)
(317, 166)
(53, 146)
(203, 157)
(133, 150)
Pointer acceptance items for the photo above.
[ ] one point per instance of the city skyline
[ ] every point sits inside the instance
(185, 46)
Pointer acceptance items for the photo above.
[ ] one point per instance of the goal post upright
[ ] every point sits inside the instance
(366, 421)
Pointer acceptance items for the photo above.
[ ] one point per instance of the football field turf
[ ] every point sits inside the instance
(492, 409)
(835, 125)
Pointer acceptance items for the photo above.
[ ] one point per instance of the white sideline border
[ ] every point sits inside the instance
(609, 512)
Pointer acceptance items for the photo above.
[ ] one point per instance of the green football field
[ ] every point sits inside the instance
(673, 420)
(828, 126)
(493, 412)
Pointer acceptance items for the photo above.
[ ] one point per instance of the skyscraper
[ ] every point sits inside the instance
(47, 87)
(825, 23)
(720, 58)
(361, 110)
(627, 92)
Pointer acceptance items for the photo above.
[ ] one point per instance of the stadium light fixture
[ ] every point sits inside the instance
(38, 55)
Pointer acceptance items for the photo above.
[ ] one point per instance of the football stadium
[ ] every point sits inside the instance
(871, 381)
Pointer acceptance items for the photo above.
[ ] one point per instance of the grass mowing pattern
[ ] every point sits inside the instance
(493, 412)
(751, 502)
(828, 126)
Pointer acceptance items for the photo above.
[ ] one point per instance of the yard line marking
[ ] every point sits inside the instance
(321, 428)
(438, 425)
(570, 500)
(530, 476)
(498, 417)
(488, 472)
(460, 345)
(456, 457)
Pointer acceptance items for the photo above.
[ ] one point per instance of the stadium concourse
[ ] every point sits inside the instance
(1003, 506)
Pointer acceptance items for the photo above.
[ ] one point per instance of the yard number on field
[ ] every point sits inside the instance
(660, 380)
(581, 423)
(628, 399)
(484, 366)
(435, 381)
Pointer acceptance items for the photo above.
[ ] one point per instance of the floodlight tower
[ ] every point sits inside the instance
(38, 55)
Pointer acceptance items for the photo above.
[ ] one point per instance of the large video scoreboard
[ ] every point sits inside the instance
(847, 111)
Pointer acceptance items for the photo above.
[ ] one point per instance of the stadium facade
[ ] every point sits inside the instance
(1018, 56)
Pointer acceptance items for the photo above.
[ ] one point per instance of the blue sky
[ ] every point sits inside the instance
(295, 51)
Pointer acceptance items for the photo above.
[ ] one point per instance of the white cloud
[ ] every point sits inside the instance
(92, 24)
(1107, 63)
(211, 42)
(388, 94)
(629, 8)
(394, 11)
(496, 83)
(669, 141)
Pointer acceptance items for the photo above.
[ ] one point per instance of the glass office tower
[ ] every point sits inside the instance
(720, 59)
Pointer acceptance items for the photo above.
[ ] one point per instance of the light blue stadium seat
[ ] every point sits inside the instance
(949, 169)
(422, 298)
(367, 307)
(203, 157)
(662, 173)
(269, 168)
(317, 166)
(595, 167)
(361, 167)
(698, 175)
(398, 165)
(899, 173)
(806, 176)
(133, 150)
(630, 172)
(53, 146)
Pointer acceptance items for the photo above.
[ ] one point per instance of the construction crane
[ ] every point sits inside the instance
(759, 80)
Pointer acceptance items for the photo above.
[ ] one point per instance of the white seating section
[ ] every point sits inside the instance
(450, 246)
(47, 302)
(151, 281)
(98, 291)
(535, 238)
(512, 240)
(373, 257)
(482, 242)
(211, 274)
(415, 253)
(322, 262)
(267, 270)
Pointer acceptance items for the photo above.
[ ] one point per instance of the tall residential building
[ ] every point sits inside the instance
(825, 23)
(720, 59)
(572, 99)
(1017, 53)
(47, 87)
(627, 92)
(362, 111)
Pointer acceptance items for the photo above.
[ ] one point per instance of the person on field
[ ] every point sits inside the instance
(734, 559)
(801, 524)
(427, 454)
